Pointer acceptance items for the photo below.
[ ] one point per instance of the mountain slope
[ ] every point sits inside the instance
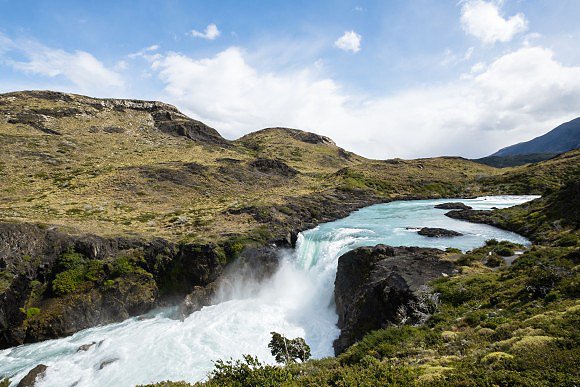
(559, 140)
(126, 167)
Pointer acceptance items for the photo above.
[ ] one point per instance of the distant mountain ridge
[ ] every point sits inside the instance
(563, 138)
(559, 140)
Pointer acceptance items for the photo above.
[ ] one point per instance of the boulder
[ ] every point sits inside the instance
(453, 206)
(434, 232)
(86, 347)
(33, 375)
(107, 362)
(373, 284)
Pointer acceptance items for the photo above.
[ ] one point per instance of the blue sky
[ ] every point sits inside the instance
(383, 78)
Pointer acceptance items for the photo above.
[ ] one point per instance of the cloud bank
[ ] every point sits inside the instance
(522, 93)
(505, 99)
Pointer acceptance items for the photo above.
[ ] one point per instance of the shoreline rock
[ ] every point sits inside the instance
(453, 206)
(434, 232)
(373, 283)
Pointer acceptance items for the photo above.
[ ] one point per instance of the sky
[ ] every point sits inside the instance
(384, 78)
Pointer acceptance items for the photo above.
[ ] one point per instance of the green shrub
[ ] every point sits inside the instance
(542, 279)
(568, 240)
(122, 266)
(108, 284)
(31, 312)
(233, 247)
(390, 342)
(248, 372)
(494, 261)
(95, 271)
(70, 260)
(67, 281)
(504, 251)
(459, 290)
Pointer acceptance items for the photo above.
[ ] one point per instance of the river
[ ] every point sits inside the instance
(296, 301)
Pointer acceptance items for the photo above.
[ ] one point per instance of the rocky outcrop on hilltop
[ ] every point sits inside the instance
(375, 286)
(55, 284)
(167, 118)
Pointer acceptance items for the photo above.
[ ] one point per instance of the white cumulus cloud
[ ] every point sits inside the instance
(483, 20)
(349, 41)
(513, 98)
(211, 32)
(82, 69)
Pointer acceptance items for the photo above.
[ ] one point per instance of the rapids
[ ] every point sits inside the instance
(296, 301)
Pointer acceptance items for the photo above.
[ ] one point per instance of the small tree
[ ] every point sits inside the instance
(288, 350)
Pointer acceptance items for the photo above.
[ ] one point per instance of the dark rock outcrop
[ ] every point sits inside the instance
(273, 167)
(166, 118)
(434, 232)
(453, 206)
(177, 124)
(372, 283)
(161, 272)
(311, 138)
(37, 121)
(33, 375)
(474, 216)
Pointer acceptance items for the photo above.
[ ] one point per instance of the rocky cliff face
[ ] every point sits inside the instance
(375, 285)
(167, 118)
(253, 266)
(54, 284)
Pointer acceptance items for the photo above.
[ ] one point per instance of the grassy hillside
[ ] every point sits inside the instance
(107, 166)
(122, 167)
(132, 167)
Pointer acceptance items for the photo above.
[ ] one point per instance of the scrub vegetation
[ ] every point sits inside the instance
(118, 168)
